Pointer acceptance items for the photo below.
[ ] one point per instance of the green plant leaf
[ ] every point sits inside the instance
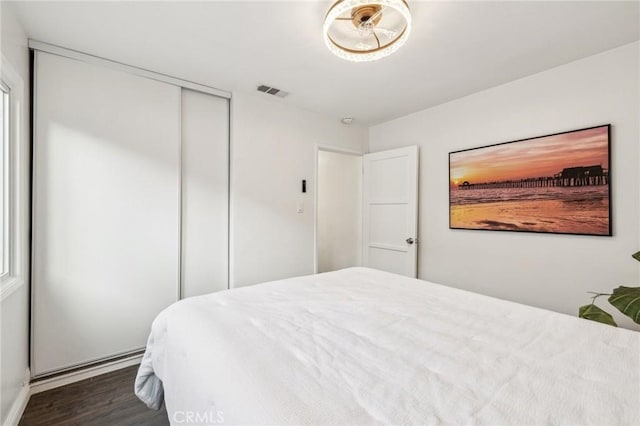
(595, 313)
(627, 301)
(636, 256)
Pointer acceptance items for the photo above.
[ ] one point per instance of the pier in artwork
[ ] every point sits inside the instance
(568, 177)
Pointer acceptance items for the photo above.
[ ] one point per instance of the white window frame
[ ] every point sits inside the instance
(15, 178)
(5, 219)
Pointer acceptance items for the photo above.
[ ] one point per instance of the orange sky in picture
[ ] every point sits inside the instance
(538, 157)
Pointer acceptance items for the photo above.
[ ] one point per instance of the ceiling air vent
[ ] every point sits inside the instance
(272, 91)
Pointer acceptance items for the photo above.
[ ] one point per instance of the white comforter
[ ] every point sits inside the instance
(360, 346)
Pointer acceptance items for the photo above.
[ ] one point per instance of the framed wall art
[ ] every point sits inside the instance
(557, 183)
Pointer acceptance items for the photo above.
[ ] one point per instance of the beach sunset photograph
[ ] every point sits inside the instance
(557, 183)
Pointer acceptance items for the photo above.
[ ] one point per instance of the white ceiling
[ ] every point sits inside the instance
(455, 49)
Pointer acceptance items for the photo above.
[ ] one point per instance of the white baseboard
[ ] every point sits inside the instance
(76, 376)
(19, 404)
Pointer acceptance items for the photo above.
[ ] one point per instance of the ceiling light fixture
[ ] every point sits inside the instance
(366, 30)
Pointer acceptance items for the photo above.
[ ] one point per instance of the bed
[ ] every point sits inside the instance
(361, 346)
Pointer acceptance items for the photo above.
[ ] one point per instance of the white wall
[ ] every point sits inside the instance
(273, 149)
(550, 271)
(14, 308)
(339, 221)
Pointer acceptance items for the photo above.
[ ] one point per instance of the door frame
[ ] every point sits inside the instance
(317, 149)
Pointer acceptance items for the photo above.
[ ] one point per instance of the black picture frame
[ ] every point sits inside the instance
(571, 201)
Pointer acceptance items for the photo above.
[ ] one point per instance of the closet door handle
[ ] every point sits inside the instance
(410, 240)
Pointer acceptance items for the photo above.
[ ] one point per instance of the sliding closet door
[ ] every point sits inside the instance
(205, 193)
(106, 210)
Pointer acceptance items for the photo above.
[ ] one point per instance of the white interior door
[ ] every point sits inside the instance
(105, 210)
(390, 222)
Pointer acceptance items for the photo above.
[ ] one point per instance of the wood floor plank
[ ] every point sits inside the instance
(99, 401)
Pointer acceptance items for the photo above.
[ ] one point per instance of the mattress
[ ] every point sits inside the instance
(361, 346)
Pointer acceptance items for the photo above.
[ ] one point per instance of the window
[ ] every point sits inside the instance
(5, 208)
(13, 177)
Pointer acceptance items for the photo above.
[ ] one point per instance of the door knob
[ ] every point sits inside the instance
(410, 240)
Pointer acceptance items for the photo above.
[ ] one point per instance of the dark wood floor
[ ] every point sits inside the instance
(100, 401)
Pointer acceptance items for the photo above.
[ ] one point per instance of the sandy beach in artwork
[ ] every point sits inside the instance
(575, 214)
